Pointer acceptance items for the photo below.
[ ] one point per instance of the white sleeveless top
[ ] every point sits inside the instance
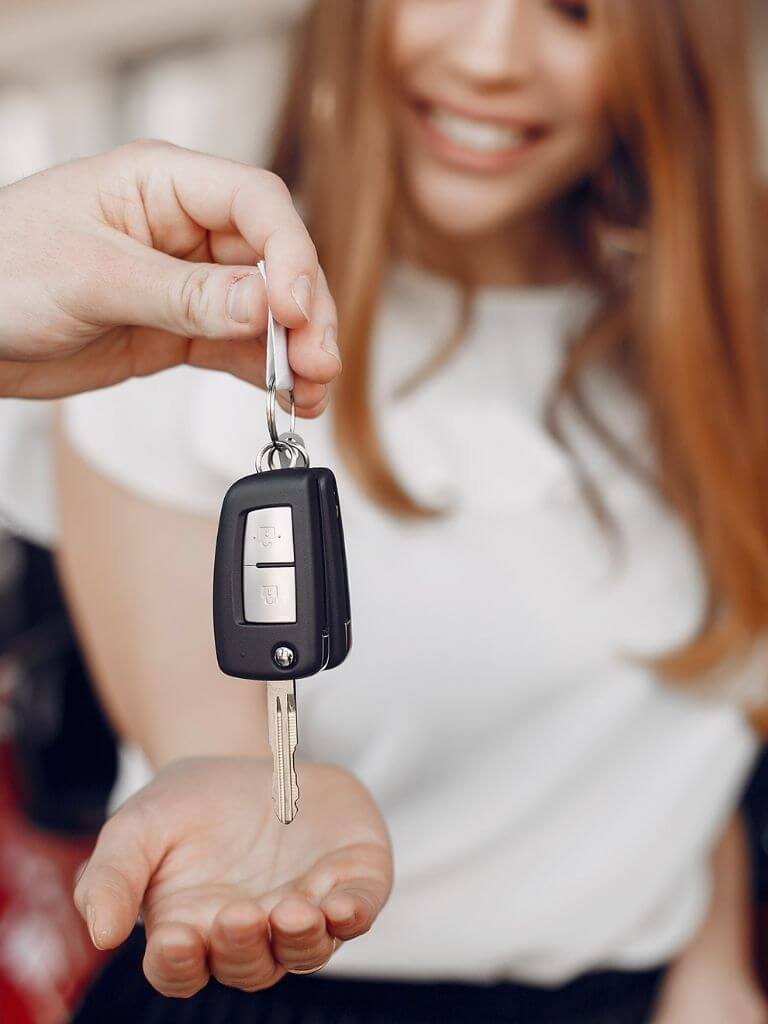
(552, 805)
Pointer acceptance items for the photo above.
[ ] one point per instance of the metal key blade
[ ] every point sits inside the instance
(283, 737)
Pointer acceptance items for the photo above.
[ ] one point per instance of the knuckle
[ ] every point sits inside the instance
(138, 153)
(250, 980)
(113, 827)
(275, 183)
(175, 987)
(147, 147)
(112, 882)
(307, 961)
(195, 300)
(180, 990)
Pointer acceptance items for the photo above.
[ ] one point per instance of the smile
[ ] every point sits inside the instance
(481, 136)
(470, 143)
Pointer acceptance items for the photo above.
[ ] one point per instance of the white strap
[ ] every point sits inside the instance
(278, 369)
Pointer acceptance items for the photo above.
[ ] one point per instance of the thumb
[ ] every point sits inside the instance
(142, 287)
(112, 884)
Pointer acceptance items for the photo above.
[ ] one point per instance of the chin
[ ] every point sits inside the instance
(464, 209)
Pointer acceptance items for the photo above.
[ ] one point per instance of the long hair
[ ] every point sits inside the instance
(682, 313)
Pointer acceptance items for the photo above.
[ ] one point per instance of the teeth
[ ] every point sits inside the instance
(479, 135)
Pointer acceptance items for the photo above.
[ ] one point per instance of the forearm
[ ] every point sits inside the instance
(726, 932)
(713, 979)
(137, 579)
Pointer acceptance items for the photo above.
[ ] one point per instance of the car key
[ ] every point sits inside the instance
(281, 596)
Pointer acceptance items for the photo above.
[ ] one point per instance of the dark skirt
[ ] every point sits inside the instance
(121, 995)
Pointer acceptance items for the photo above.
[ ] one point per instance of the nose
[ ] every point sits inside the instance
(495, 44)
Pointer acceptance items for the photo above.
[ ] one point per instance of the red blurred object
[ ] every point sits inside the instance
(46, 958)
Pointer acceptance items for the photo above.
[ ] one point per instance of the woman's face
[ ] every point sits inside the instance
(500, 107)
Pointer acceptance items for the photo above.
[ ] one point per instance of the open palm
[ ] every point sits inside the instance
(223, 888)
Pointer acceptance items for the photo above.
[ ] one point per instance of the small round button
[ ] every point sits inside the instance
(283, 656)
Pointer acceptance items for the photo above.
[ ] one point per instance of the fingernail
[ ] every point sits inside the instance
(243, 299)
(79, 873)
(90, 920)
(330, 345)
(301, 290)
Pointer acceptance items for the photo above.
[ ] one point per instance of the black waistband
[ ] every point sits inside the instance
(122, 996)
(604, 997)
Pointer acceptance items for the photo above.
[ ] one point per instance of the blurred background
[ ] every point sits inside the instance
(77, 77)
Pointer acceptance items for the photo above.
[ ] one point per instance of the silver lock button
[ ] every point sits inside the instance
(268, 536)
(269, 593)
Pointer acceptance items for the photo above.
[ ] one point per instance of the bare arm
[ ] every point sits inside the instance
(137, 577)
(713, 979)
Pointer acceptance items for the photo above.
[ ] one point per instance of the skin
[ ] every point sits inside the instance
(288, 893)
(714, 979)
(501, 61)
(230, 891)
(126, 264)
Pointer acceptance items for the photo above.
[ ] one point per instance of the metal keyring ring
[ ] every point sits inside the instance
(269, 450)
(271, 413)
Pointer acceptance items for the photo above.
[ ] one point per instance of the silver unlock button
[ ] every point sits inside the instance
(268, 536)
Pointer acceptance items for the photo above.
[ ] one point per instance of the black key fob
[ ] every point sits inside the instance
(280, 588)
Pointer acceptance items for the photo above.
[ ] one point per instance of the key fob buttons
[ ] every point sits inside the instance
(269, 593)
(268, 536)
(269, 589)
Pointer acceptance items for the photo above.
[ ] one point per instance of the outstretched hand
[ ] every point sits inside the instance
(223, 888)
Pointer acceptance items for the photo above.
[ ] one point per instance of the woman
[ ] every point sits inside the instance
(567, 194)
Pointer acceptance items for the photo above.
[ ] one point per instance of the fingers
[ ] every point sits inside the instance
(231, 248)
(111, 887)
(351, 887)
(246, 949)
(225, 310)
(146, 288)
(240, 954)
(245, 213)
(222, 196)
(175, 960)
(314, 351)
(246, 360)
(310, 399)
(351, 909)
(300, 939)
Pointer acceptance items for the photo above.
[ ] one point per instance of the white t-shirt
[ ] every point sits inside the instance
(552, 805)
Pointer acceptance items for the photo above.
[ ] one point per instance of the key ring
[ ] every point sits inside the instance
(272, 448)
(272, 410)
(288, 446)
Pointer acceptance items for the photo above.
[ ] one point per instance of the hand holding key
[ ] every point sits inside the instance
(223, 890)
(143, 258)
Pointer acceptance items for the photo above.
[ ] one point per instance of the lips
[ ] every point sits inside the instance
(472, 142)
(472, 133)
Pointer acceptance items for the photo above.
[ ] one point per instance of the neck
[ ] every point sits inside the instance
(532, 251)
